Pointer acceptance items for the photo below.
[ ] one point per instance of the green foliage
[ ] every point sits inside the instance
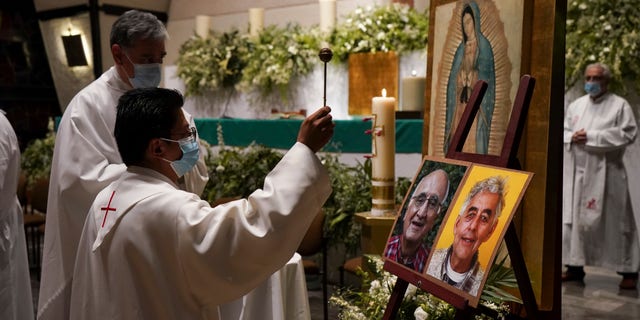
(213, 63)
(500, 276)
(269, 62)
(277, 56)
(401, 189)
(369, 301)
(603, 31)
(37, 156)
(351, 194)
(395, 27)
(236, 171)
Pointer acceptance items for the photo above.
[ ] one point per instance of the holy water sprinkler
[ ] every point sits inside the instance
(325, 55)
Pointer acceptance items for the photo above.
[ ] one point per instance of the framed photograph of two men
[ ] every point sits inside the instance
(451, 224)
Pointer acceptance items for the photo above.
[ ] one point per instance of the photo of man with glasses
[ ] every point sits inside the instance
(422, 212)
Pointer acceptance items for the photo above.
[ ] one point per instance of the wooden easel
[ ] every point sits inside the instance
(506, 159)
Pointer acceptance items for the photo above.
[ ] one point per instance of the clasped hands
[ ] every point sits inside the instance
(579, 137)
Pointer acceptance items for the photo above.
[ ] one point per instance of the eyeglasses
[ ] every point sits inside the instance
(593, 78)
(433, 203)
(187, 137)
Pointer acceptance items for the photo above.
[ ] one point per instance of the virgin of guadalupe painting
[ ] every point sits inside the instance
(475, 48)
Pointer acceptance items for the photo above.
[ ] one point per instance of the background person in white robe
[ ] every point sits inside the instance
(598, 223)
(15, 284)
(86, 157)
(152, 251)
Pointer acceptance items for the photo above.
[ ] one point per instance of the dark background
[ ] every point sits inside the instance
(27, 92)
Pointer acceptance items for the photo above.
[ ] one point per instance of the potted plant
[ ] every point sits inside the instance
(36, 167)
(37, 156)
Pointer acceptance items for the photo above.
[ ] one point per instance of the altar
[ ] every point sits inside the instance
(349, 135)
(349, 141)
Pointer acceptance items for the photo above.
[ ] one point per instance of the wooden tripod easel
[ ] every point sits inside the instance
(506, 159)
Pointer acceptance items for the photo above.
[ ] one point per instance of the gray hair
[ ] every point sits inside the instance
(606, 72)
(495, 184)
(135, 25)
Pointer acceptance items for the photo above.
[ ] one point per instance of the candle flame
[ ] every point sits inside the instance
(384, 92)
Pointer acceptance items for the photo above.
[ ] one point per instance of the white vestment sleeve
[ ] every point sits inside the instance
(616, 136)
(229, 249)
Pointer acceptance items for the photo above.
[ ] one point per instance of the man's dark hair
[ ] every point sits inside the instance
(144, 114)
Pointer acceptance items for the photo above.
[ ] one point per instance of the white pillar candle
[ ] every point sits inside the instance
(203, 25)
(327, 15)
(256, 21)
(412, 98)
(383, 137)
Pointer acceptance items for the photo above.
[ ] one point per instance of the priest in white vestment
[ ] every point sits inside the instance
(152, 251)
(598, 223)
(86, 158)
(15, 284)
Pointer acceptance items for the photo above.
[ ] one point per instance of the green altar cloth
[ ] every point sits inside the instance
(349, 136)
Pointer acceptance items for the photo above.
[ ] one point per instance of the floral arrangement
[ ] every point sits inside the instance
(213, 63)
(603, 31)
(277, 56)
(269, 62)
(370, 300)
(396, 27)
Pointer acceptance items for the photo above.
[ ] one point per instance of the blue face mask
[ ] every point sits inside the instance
(190, 155)
(592, 88)
(145, 75)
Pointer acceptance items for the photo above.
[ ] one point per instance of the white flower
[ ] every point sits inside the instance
(582, 6)
(591, 58)
(411, 291)
(375, 285)
(220, 168)
(420, 314)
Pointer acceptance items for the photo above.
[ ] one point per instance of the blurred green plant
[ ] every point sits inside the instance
(37, 156)
(213, 63)
(269, 62)
(238, 171)
(395, 27)
(603, 31)
(278, 55)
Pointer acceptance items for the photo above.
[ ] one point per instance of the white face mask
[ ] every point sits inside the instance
(145, 75)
